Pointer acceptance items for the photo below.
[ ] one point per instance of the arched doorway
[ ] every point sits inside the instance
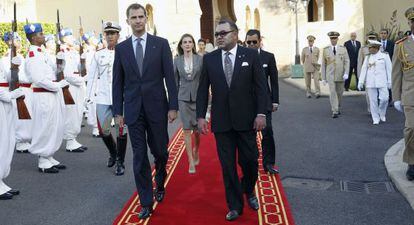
(212, 11)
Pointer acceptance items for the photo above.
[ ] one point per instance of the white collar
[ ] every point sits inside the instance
(143, 37)
(233, 51)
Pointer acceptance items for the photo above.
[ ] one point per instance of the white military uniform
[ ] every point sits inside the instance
(7, 129)
(92, 119)
(47, 107)
(23, 127)
(100, 76)
(376, 75)
(74, 113)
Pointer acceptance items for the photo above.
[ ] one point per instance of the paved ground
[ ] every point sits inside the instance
(396, 169)
(309, 145)
(87, 193)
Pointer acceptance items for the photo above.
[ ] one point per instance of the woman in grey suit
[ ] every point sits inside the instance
(187, 69)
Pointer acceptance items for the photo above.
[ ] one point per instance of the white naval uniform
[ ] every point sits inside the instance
(376, 75)
(23, 127)
(47, 107)
(7, 130)
(101, 76)
(74, 113)
(92, 120)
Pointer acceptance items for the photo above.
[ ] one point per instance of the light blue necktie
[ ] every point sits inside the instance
(139, 55)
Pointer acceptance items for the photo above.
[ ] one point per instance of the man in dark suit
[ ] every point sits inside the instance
(142, 63)
(239, 101)
(387, 46)
(352, 46)
(268, 62)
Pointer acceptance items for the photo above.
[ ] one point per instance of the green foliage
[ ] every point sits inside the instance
(393, 27)
(48, 28)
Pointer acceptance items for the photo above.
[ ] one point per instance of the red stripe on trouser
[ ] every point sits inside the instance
(99, 126)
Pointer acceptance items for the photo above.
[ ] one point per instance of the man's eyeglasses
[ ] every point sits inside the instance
(251, 42)
(222, 33)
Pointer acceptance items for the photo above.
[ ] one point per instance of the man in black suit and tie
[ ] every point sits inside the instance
(142, 63)
(253, 41)
(238, 111)
(388, 47)
(352, 46)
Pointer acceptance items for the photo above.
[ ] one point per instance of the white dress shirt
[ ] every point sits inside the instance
(232, 56)
(143, 43)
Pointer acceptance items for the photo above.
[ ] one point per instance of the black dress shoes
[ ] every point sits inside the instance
(232, 215)
(120, 168)
(84, 148)
(60, 167)
(145, 212)
(334, 115)
(410, 173)
(49, 170)
(14, 192)
(111, 162)
(80, 149)
(252, 202)
(270, 169)
(22, 151)
(159, 194)
(6, 196)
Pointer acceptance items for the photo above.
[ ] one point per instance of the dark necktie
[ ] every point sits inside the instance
(334, 50)
(139, 55)
(383, 45)
(228, 68)
(310, 49)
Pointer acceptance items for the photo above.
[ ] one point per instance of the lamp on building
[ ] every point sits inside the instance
(293, 5)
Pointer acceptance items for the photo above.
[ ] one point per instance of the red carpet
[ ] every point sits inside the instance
(199, 198)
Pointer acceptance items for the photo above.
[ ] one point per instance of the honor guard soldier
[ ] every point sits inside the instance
(311, 67)
(50, 45)
(335, 69)
(8, 118)
(47, 102)
(74, 113)
(90, 46)
(376, 76)
(403, 89)
(23, 127)
(100, 85)
(364, 52)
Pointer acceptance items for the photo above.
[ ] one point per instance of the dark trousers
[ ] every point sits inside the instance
(268, 142)
(248, 154)
(352, 69)
(155, 133)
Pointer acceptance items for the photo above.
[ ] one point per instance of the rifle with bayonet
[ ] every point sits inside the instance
(81, 50)
(67, 97)
(22, 111)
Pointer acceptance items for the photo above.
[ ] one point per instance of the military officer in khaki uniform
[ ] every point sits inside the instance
(403, 89)
(310, 56)
(335, 70)
(363, 52)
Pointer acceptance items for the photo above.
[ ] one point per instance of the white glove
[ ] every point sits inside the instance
(345, 77)
(324, 82)
(389, 86)
(60, 55)
(398, 106)
(16, 61)
(63, 83)
(360, 86)
(16, 93)
(83, 56)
